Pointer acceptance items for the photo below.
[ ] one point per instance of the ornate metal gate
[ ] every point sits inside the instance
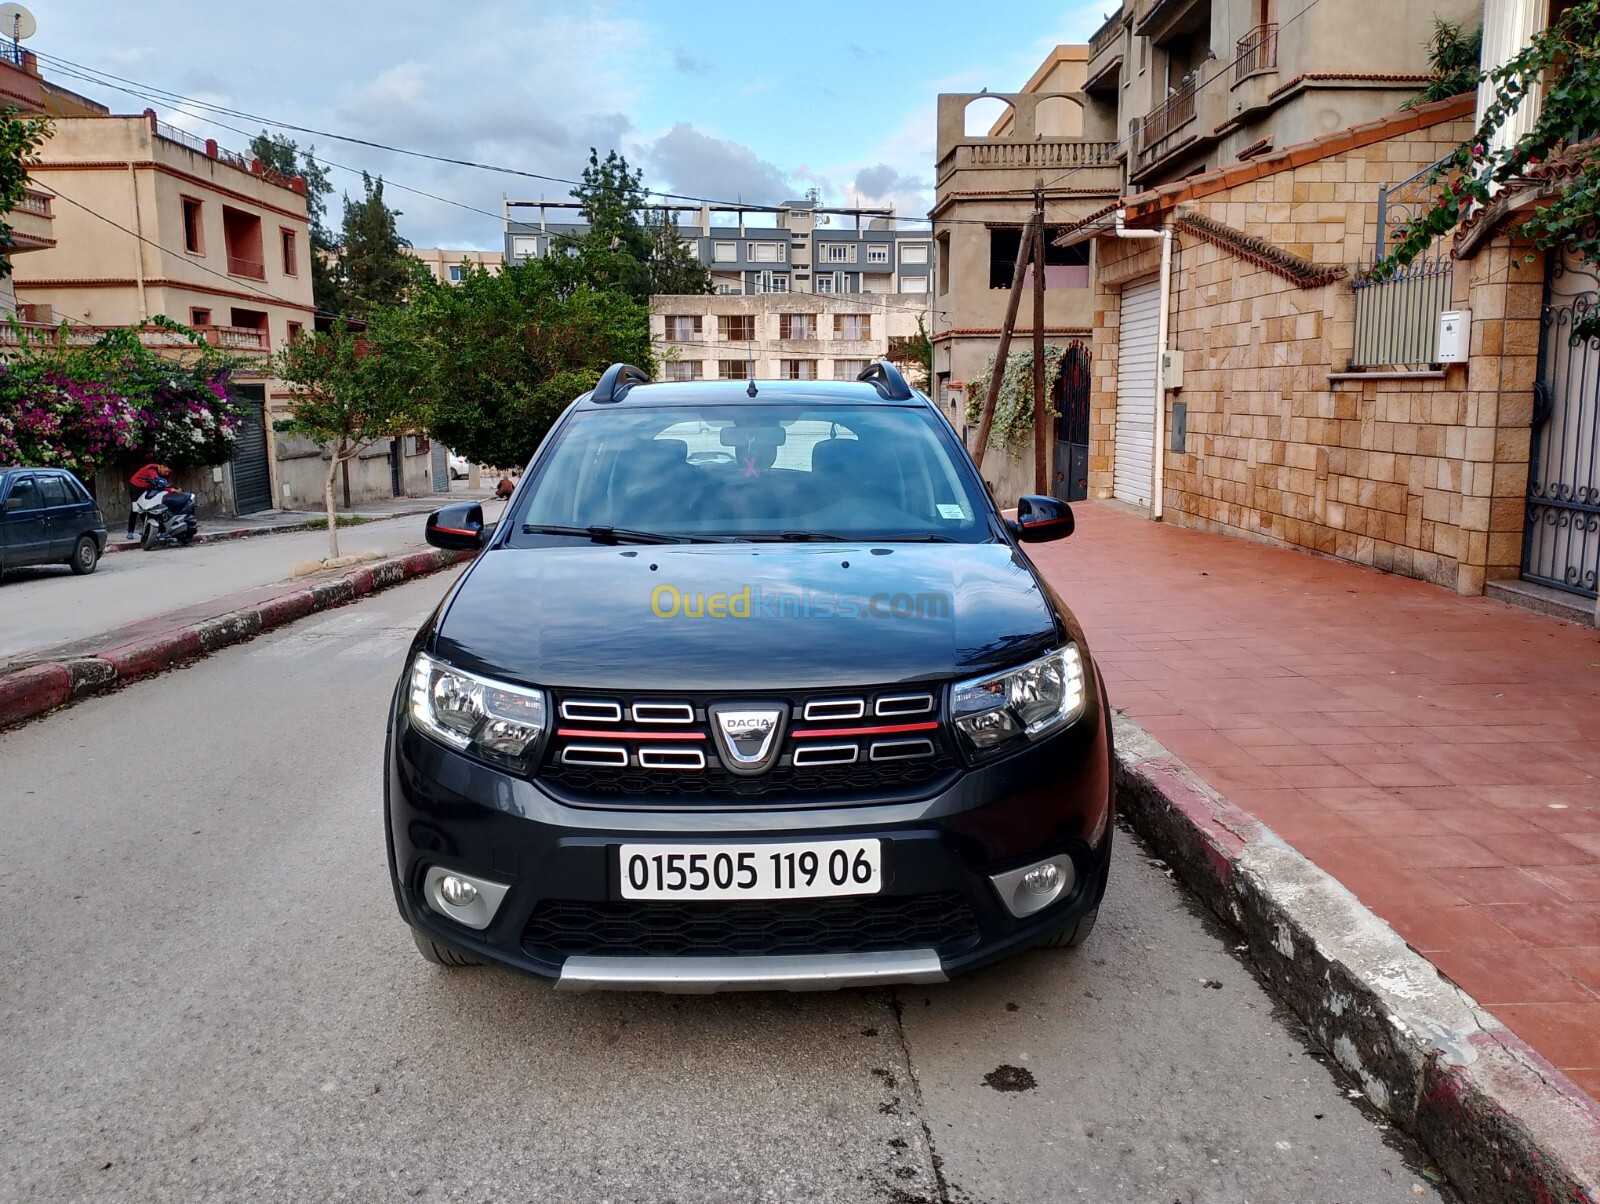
(1561, 539)
(1071, 479)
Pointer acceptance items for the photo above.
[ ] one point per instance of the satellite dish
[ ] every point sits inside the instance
(17, 23)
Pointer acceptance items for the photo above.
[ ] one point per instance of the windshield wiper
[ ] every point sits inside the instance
(601, 533)
(826, 537)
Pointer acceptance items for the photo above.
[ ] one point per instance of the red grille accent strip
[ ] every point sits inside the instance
(864, 731)
(616, 735)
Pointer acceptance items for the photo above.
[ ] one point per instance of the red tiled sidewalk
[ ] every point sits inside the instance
(1438, 755)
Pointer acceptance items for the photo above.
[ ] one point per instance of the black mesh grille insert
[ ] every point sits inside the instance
(864, 924)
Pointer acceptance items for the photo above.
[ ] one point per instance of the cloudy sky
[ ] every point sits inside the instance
(752, 101)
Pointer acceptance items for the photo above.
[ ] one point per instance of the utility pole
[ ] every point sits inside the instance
(1024, 250)
(1041, 463)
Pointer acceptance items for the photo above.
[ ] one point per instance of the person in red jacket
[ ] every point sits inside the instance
(151, 476)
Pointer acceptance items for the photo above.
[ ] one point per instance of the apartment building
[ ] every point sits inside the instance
(993, 149)
(796, 336)
(795, 247)
(1192, 85)
(449, 266)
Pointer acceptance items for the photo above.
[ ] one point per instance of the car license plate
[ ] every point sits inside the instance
(801, 869)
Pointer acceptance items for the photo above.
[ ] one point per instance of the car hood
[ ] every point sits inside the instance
(744, 617)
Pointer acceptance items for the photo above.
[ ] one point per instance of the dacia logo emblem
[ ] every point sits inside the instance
(748, 734)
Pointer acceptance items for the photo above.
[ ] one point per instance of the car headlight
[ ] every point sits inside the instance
(471, 713)
(1024, 703)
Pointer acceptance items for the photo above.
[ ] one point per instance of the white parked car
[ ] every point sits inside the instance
(458, 467)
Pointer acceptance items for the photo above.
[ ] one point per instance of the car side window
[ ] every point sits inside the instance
(24, 496)
(54, 492)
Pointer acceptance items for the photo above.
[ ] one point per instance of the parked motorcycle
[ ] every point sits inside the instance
(166, 517)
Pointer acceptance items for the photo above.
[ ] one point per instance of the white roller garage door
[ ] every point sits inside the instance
(1136, 393)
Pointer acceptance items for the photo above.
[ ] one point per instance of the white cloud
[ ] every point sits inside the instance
(694, 163)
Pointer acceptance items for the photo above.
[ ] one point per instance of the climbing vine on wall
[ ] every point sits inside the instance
(1012, 432)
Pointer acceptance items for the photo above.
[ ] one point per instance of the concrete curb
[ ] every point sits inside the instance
(1504, 1125)
(33, 689)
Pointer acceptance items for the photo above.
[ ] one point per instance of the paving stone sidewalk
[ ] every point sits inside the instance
(1438, 755)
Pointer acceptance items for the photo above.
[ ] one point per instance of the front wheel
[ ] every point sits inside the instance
(85, 555)
(147, 538)
(440, 955)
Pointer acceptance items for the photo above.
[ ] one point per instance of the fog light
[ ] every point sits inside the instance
(464, 898)
(1034, 887)
(1040, 880)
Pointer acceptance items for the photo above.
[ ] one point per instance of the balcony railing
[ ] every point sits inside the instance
(1107, 35)
(35, 202)
(182, 137)
(231, 338)
(998, 153)
(238, 266)
(1256, 51)
(1178, 110)
(12, 52)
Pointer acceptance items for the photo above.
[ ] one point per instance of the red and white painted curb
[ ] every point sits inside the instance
(45, 685)
(1503, 1124)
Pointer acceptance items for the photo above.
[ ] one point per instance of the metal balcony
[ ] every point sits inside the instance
(1256, 51)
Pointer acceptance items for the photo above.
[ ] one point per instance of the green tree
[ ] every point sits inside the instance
(20, 138)
(1453, 55)
(498, 356)
(374, 270)
(283, 156)
(1565, 59)
(675, 268)
(628, 247)
(914, 351)
(347, 394)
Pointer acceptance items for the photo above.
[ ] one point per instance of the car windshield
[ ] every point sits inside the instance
(773, 471)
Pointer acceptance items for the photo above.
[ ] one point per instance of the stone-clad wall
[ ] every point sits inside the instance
(1422, 476)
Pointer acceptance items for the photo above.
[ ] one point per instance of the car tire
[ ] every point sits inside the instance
(85, 555)
(440, 955)
(147, 538)
(1074, 934)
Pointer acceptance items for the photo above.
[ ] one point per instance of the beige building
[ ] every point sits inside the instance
(1045, 134)
(1440, 425)
(149, 221)
(449, 266)
(1191, 85)
(800, 336)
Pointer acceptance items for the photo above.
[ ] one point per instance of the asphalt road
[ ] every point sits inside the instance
(47, 605)
(206, 994)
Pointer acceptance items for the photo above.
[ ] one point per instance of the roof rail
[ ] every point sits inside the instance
(886, 379)
(615, 382)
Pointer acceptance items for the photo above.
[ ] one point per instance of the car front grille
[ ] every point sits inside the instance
(841, 747)
(861, 924)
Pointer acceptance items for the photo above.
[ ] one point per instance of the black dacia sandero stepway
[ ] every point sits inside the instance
(751, 687)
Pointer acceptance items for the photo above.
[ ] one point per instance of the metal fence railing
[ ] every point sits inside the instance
(1397, 320)
(1256, 51)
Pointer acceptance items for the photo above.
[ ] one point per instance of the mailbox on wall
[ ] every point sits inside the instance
(1455, 336)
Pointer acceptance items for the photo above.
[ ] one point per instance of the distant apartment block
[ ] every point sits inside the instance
(795, 247)
(449, 267)
(793, 337)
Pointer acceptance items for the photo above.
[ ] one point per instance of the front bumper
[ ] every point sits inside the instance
(938, 914)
